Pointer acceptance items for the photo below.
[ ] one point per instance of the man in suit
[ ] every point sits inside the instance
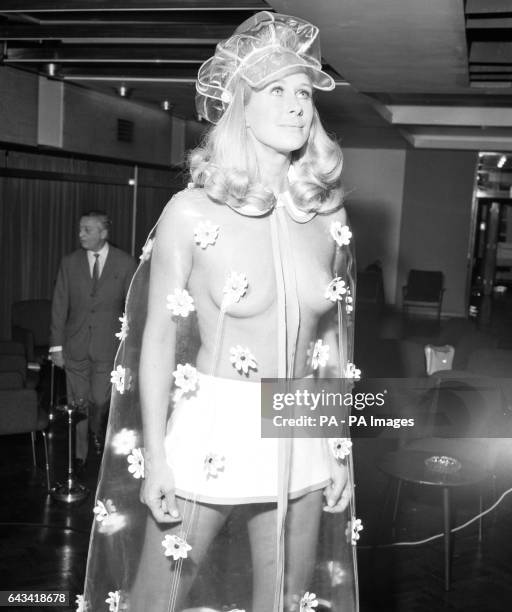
(88, 301)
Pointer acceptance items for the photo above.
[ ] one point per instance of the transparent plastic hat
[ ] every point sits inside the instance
(263, 48)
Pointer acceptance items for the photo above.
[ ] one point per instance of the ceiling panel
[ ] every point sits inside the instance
(489, 27)
(403, 67)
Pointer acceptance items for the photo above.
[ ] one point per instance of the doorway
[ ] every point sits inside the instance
(491, 255)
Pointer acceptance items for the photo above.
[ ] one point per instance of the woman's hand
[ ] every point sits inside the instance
(157, 492)
(338, 492)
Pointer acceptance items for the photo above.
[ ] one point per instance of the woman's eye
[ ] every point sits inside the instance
(277, 90)
(305, 94)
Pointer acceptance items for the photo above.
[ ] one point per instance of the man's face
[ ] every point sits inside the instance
(92, 234)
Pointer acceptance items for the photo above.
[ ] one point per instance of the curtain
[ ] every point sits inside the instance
(39, 220)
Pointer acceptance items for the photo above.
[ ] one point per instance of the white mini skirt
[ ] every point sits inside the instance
(215, 449)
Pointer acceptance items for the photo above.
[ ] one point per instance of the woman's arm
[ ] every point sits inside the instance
(329, 326)
(334, 332)
(171, 263)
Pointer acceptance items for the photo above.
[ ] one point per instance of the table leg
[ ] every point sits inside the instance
(72, 490)
(447, 537)
(395, 508)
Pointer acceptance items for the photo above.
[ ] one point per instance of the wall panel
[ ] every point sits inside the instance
(373, 179)
(436, 218)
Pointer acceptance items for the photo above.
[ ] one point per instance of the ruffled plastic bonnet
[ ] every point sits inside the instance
(262, 48)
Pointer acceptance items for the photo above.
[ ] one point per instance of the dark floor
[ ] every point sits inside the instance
(44, 543)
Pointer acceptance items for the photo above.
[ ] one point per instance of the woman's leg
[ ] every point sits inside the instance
(302, 531)
(262, 536)
(302, 528)
(160, 582)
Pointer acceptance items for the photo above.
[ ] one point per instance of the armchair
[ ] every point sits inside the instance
(370, 288)
(424, 289)
(19, 406)
(31, 326)
(13, 362)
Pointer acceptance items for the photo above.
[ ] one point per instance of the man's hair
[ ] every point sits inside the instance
(101, 216)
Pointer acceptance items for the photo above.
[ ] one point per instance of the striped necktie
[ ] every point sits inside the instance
(95, 274)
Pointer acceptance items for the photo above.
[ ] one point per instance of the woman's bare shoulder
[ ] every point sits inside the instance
(338, 216)
(178, 219)
(184, 210)
(188, 202)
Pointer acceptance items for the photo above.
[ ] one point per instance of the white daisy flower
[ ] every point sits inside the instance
(123, 332)
(235, 287)
(180, 303)
(121, 379)
(124, 441)
(341, 233)
(113, 599)
(349, 302)
(242, 359)
(186, 379)
(136, 461)
(351, 371)
(146, 250)
(308, 602)
(175, 547)
(80, 603)
(352, 531)
(113, 522)
(341, 447)
(320, 354)
(336, 289)
(336, 572)
(100, 511)
(213, 464)
(226, 96)
(108, 518)
(206, 233)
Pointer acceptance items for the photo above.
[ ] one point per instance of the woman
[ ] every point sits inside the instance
(246, 276)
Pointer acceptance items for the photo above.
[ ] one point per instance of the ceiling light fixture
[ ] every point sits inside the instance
(51, 69)
(167, 106)
(502, 161)
(123, 91)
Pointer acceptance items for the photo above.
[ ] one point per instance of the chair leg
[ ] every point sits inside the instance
(52, 392)
(33, 438)
(46, 461)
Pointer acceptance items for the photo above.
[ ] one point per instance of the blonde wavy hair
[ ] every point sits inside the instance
(225, 165)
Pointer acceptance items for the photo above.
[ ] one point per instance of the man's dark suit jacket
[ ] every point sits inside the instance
(83, 324)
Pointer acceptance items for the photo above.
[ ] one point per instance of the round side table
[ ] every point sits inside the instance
(409, 465)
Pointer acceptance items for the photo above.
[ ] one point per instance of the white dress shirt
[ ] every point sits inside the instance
(103, 252)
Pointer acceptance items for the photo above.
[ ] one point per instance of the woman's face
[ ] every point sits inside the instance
(279, 115)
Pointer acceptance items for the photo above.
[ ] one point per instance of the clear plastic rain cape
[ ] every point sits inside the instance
(272, 531)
